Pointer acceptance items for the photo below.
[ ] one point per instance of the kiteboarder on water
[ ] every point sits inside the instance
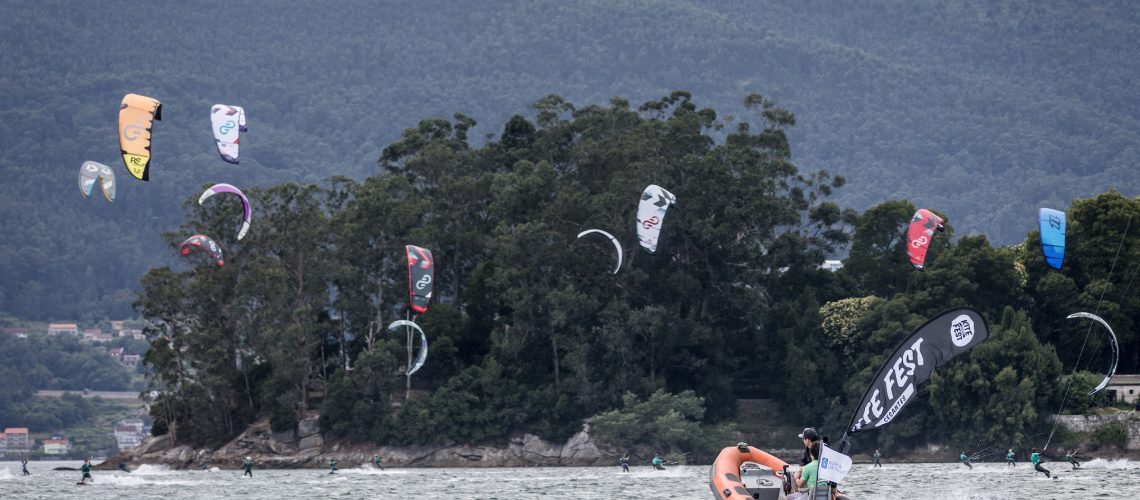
(1036, 459)
(1009, 458)
(248, 464)
(1072, 456)
(86, 468)
(24, 464)
(625, 463)
(877, 456)
(123, 467)
(965, 460)
(332, 466)
(658, 463)
(376, 462)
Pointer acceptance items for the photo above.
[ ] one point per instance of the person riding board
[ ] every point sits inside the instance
(248, 464)
(24, 465)
(376, 462)
(1072, 457)
(332, 466)
(1009, 458)
(658, 463)
(123, 467)
(86, 468)
(625, 463)
(965, 460)
(1036, 459)
(877, 456)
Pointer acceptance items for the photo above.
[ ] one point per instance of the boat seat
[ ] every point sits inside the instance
(760, 481)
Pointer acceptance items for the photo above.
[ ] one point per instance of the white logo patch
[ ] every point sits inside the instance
(962, 330)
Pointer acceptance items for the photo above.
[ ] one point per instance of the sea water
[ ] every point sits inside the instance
(1096, 479)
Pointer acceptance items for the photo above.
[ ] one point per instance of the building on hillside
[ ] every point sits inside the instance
(20, 333)
(17, 440)
(129, 433)
(56, 446)
(132, 332)
(117, 325)
(831, 265)
(92, 334)
(131, 360)
(117, 354)
(63, 328)
(1124, 388)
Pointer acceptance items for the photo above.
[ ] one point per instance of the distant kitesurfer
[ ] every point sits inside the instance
(376, 462)
(123, 467)
(332, 466)
(877, 456)
(1036, 459)
(1009, 458)
(201, 466)
(24, 464)
(625, 463)
(965, 460)
(86, 468)
(248, 464)
(658, 463)
(1072, 456)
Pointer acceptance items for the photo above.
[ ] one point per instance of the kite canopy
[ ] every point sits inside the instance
(136, 115)
(203, 243)
(422, 356)
(617, 245)
(922, 227)
(1112, 340)
(1052, 225)
(91, 172)
(651, 214)
(930, 346)
(227, 122)
(420, 277)
(227, 188)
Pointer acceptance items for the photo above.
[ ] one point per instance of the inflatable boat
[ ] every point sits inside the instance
(742, 472)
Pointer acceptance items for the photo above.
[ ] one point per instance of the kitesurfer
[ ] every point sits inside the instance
(332, 466)
(1009, 458)
(376, 462)
(1072, 457)
(201, 466)
(123, 467)
(658, 463)
(625, 463)
(809, 437)
(24, 464)
(877, 456)
(1036, 459)
(86, 468)
(965, 460)
(248, 464)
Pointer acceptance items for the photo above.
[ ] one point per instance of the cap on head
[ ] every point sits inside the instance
(809, 433)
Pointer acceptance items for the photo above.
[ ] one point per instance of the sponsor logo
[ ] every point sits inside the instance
(917, 242)
(1054, 221)
(650, 222)
(132, 131)
(962, 330)
(226, 127)
(899, 376)
(423, 282)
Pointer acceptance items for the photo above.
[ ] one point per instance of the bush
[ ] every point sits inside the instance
(1114, 434)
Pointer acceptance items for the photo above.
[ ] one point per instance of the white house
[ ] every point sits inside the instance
(56, 446)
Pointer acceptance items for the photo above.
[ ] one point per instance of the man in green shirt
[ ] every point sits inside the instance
(248, 464)
(1009, 458)
(658, 463)
(1036, 459)
(966, 460)
(877, 456)
(376, 462)
(86, 468)
(807, 474)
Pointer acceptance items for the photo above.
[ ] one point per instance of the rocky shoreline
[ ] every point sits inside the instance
(306, 447)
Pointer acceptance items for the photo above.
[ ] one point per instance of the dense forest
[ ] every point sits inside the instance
(60, 362)
(981, 110)
(530, 331)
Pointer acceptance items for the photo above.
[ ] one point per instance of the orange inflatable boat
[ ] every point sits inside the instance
(743, 472)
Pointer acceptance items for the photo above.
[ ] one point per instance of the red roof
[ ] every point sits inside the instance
(16, 430)
(64, 326)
